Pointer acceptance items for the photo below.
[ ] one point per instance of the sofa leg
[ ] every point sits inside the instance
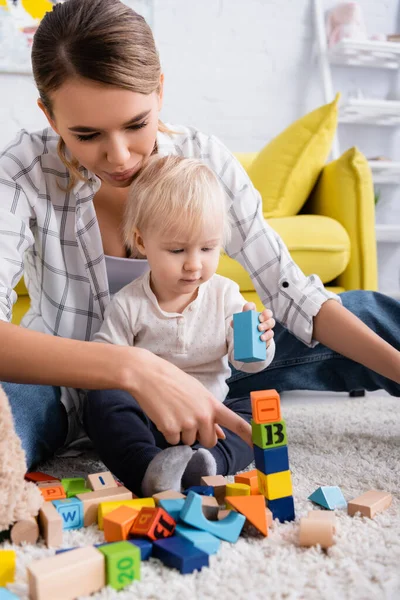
(356, 393)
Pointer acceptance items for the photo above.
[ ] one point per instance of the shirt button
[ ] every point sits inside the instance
(285, 284)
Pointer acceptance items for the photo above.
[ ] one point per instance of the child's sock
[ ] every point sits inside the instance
(200, 465)
(166, 469)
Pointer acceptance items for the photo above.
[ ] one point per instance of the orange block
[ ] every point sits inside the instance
(253, 508)
(265, 406)
(117, 523)
(51, 492)
(249, 478)
(38, 476)
(154, 523)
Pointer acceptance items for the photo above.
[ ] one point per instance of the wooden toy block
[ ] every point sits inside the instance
(247, 343)
(7, 566)
(218, 482)
(26, 530)
(269, 435)
(223, 513)
(249, 478)
(102, 481)
(229, 529)
(168, 495)
(145, 547)
(323, 515)
(173, 507)
(51, 525)
(117, 523)
(276, 485)
(71, 511)
(315, 531)
(53, 492)
(202, 490)
(272, 460)
(270, 518)
(122, 563)
(329, 497)
(92, 500)
(66, 576)
(5, 594)
(210, 507)
(236, 489)
(203, 540)
(108, 506)
(265, 406)
(38, 476)
(370, 503)
(180, 554)
(282, 509)
(74, 486)
(153, 523)
(253, 508)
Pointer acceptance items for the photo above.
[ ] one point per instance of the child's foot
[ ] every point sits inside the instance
(200, 465)
(166, 470)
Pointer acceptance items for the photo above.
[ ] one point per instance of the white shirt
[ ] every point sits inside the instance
(53, 238)
(199, 340)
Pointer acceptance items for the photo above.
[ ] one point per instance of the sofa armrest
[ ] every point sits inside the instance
(345, 192)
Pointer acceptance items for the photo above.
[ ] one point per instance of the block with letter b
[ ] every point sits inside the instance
(269, 435)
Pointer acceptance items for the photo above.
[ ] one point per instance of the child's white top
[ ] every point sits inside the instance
(199, 340)
(53, 238)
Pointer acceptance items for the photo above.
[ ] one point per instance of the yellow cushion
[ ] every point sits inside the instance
(285, 171)
(345, 192)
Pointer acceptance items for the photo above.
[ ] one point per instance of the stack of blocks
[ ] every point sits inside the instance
(271, 454)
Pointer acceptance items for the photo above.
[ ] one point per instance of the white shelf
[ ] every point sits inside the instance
(367, 53)
(385, 171)
(387, 233)
(366, 111)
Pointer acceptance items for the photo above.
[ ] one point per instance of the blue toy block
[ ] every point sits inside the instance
(282, 509)
(71, 510)
(201, 539)
(173, 507)
(247, 344)
(273, 460)
(62, 550)
(180, 554)
(228, 529)
(329, 496)
(5, 594)
(145, 547)
(202, 490)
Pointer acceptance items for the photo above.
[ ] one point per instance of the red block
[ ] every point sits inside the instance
(153, 523)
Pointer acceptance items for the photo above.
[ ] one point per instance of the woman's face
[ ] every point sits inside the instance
(109, 130)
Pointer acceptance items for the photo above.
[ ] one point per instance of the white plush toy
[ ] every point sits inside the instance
(345, 20)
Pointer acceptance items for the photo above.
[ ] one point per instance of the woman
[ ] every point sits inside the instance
(62, 194)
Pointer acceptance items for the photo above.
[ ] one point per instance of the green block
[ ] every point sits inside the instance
(269, 435)
(122, 563)
(74, 486)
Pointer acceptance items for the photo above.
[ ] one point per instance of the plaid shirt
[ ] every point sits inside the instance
(53, 238)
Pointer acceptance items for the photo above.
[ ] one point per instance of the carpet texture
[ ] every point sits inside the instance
(354, 444)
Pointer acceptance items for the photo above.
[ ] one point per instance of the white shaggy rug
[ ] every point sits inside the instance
(354, 444)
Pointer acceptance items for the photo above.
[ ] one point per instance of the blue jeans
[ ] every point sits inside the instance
(41, 421)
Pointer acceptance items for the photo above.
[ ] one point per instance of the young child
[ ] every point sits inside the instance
(182, 311)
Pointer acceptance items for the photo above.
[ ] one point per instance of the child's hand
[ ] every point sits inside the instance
(267, 322)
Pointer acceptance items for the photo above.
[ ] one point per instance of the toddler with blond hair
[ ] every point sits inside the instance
(180, 310)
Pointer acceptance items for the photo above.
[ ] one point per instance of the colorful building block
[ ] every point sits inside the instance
(122, 563)
(210, 507)
(370, 503)
(5, 594)
(329, 497)
(52, 492)
(203, 540)
(282, 509)
(7, 566)
(269, 435)
(38, 476)
(229, 529)
(51, 525)
(71, 510)
(172, 507)
(74, 486)
(102, 481)
(276, 485)
(253, 508)
(265, 406)
(235, 489)
(92, 500)
(153, 523)
(118, 523)
(247, 343)
(80, 572)
(250, 479)
(324, 515)
(202, 490)
(168, 495)
(180, 554)
(26, 530)
(218, 482)
(314, 532)
(272, 460)
(105, 507)
(145, 547)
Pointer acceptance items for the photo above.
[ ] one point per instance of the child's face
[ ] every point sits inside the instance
(180, 265)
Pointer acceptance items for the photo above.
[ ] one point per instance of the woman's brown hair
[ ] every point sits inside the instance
(100, 40)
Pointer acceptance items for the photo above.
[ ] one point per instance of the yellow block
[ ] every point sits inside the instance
(106, 507)
(7, 567)
(236, 489)
(276, 485)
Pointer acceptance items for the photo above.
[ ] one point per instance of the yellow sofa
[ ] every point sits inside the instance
(333, 236)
